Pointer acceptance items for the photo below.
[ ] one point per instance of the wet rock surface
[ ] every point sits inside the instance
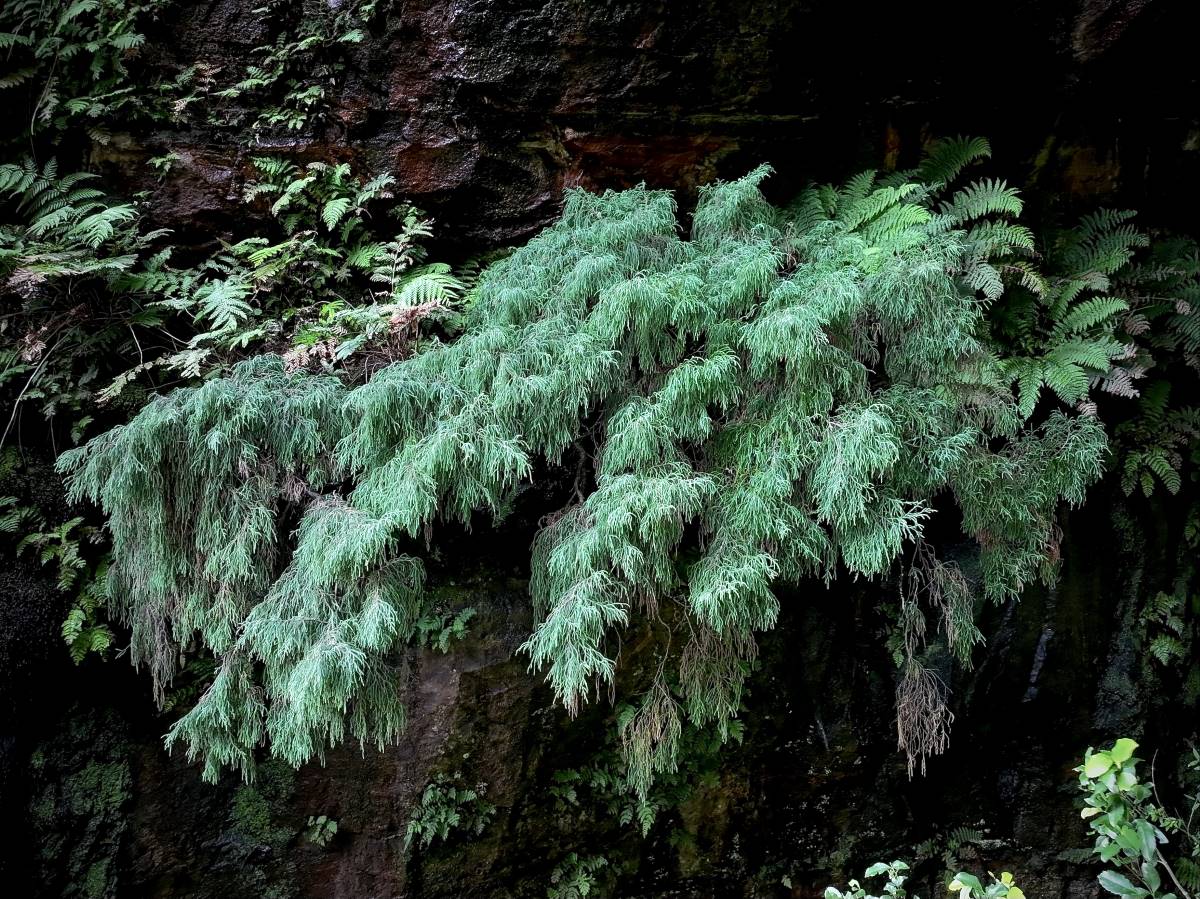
(816, 790)
(485, 112)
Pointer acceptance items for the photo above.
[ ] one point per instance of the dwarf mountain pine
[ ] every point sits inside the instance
(784, 397)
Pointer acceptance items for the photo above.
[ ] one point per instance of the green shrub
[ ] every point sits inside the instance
(779, 398)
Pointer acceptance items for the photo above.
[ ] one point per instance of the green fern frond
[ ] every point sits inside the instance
(222, 304)
(1090, 313)
(983, 198)
(334, 210)
(433, 283)
(946, 159)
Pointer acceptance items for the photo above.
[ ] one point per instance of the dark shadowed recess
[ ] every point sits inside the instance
(485, 111)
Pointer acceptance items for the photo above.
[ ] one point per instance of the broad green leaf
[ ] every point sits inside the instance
(1151, 876)
(1120, 885)
(1148, 838)
(1128, 838)
(1122, 750)
(969, 884)
(1097, 764)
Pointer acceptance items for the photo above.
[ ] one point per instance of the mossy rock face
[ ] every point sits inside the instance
(256, 808)
(81, 794)
(815, 792)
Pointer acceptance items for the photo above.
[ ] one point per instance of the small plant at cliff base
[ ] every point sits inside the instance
(606, 784)
(949, 847)
(69, 59)
(1187, 864)
(321, 830)
(786, 397)
(441, 630)
(447, 807)
(575, 876)
(966, 885)
(1130, 825)
(894, 888)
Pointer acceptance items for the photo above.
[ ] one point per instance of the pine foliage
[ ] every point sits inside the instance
(780, 398)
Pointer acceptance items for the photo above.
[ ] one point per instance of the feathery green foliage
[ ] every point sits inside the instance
(783, 397)
(92, 290)
(321, 627)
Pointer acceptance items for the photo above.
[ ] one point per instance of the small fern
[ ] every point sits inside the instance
(446, 806)
(575, 877)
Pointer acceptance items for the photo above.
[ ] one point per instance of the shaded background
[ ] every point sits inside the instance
(485, 112)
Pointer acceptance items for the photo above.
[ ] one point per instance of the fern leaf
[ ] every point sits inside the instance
(987, 197)
(222, 303)
(946, 159)
(333, 211)
(1090, 313)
